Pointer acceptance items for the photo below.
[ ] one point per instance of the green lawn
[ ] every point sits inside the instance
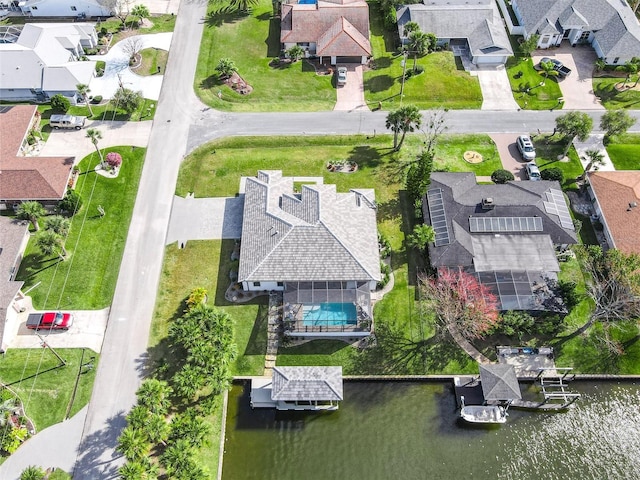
(86, 280)
(450, 150)
(104, 111)
(624, 151)
(183, 270)
(442, 84)
(523, 77)
(252, 41)
(152, 60)
(161, 23)
(548, 148)
(612, 98)
(45, 390)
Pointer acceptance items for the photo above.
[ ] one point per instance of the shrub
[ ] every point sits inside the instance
(386, 275)
(197, 296)
(553, 173)
(389, 17)
(104, 31)
(502, 176)
(96, 99)
(114, 159)
(60, 103)
(100, 66)
(71, 203)
(384, 246)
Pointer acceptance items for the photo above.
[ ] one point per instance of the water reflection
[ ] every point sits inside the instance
(411, 431)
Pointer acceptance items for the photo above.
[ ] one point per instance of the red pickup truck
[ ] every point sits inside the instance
(50, 320)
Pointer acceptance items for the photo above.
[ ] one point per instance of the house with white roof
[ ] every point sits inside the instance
(471, 28)
(40, 60)
(68, 8)
(609, 26)
(319, 247)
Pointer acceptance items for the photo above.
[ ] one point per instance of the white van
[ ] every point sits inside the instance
(67, 121)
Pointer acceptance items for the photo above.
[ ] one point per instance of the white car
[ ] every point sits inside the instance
(342, 75)
(526, 148)
(532, 171)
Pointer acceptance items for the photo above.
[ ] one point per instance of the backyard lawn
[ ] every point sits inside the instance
(45, 389)
(624, 151)
(86, 280)
(291, 87)
(442, 84)
(525, 84)
(612, 98)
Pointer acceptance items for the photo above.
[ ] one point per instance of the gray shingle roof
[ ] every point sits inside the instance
(479, 22)
(12, 234)
(314, 236)
(462, 197)
(307, 383)
(614, 25)
(499, 382)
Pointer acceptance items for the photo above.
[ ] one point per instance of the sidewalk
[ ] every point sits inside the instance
(594, 142)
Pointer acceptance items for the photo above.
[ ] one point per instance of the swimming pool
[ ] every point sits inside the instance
(329, 314)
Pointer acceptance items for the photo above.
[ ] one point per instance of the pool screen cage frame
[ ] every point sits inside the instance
(298, 294)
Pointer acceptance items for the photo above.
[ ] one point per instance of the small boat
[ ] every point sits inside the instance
(487, 414)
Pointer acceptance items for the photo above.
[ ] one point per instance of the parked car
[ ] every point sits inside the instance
(342, 75)
(67, 121)
(532, 171)
(50, 320)
(558, 66)
(526, 148)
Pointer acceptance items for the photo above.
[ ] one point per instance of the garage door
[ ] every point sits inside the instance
(348, 59)
(490, 60)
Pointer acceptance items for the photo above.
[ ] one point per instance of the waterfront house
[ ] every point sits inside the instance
(24, 177)
(616, 201)
(609, 26)
(299, 388)
(40, 60)
(504, 235)
(472, 29)
(317, 246)
(337, 29)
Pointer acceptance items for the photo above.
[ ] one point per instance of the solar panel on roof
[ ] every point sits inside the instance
(557, 205)
(505, 224)
(438, 217)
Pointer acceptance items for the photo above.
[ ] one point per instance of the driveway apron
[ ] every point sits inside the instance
(509, 154)
(577, 88)
(351, 96)
(496, 89)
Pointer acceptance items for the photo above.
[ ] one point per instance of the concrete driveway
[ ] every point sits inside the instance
(577, 88)
(205, 219)
(75, 142)
(509, 154)
(496, 89)
(117, 68)
(351, 96)
(87, 331)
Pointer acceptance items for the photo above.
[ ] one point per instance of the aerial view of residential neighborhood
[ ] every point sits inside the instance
(319, 239)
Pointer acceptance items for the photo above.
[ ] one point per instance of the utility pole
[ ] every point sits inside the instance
(46, 345)
(405, 54)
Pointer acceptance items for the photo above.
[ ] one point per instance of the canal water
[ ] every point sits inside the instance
(406, 431)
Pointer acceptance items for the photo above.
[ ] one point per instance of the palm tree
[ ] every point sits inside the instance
(49, 241)
(421, 236)
(548, 68)
(83, 91)
(155, 395)
(403, 120)
(189, 380)
(226, 67)
(177, 457)
(418, 45)
(32, 472)
(94, 135)
(157, 429)
(409, 28)
(138, 416)
(139, 470)
(140, 11)
(133, 444)
(594, 159)
(630, 68)
(31, 211)
(57, 224)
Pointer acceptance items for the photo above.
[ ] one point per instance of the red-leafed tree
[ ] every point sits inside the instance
(114, 159)
(458, 300)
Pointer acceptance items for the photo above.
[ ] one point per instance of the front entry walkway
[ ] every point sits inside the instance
(351, 96)
(594, 142)
(496, 89)
(205, 219)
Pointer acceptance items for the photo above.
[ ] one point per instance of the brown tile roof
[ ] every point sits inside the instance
(615, 191)
(343, 39)
(27, 178)
(307, 23)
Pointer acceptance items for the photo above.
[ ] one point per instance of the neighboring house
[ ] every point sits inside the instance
(40, 60)
(319, 247)
(505, 235)
(609, 26)
(338, 29)
(68, 8)
(474, 29)
(22, 177)
(14, 235)
(298, 388)
(616, 200)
